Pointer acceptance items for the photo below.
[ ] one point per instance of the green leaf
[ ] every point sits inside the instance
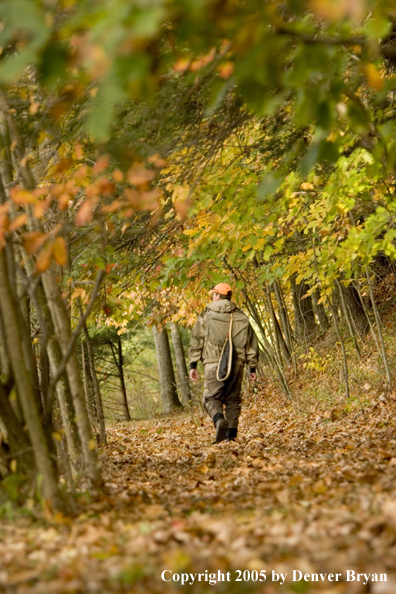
(377, 27)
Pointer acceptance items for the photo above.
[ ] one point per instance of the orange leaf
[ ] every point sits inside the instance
(17, 222)
(85, 212)
(157, 161)
(143, 200)
(225, 70)
(138, 175)
(41, 207)
(63, 200)
(59, 251)
(21, 196)
(79, 151)
(181, 65)
(118, 176)
(113, 206)
(105, 186)
(44, 259)
(101, 164)
(33, 240)
(63, 165)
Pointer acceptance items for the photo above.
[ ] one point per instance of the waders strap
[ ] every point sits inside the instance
(229, 335)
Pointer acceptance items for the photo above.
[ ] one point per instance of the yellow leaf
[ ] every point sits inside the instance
(14, 465)
(373, 77)
(92, 444)
(319, 487)
(57, 436)
(203, 468)
(307, 186)
(34, 107)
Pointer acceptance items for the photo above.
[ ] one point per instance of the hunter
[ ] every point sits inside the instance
(221, 321)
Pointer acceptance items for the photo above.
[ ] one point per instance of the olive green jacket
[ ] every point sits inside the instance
(211, 330)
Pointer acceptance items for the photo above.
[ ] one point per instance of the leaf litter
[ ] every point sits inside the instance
(303, 488)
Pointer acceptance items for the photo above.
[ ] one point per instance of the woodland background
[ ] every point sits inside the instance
(149, 150)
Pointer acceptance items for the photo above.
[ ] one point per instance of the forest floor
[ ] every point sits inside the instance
(306, 487)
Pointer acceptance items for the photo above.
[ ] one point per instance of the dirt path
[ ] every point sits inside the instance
(311, 493)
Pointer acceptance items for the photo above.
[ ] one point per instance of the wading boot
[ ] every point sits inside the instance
(231, 433)
(221, 427)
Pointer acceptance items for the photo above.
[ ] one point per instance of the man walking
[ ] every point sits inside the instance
(207, 340)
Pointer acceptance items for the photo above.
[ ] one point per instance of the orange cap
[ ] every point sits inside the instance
(221, 288)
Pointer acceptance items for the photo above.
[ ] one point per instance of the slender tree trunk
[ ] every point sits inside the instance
(285, 322)
(25, 387)
(320, 311)
(268, 349)
(380, 335)
(86, 379)
(55, 358)
(348, 318)
(120, 367)
(166, 373)
(344, 357)
(279, 339)
(356, 309)
(95, 384)
(44, 375)
(5, 367)
(61, 322)
(284, 316)
(303, 311)
(181, 367)
(18, 440)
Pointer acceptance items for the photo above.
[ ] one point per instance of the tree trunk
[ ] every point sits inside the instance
(18, 440)
(55, 357)
(95, 384)
(320, 311)
(356, 310)
(280, 342)
(25, 387)
(303, 311)
(348, 318)
(120, 366)
(181, 367)
(284, 316)
(86, 380)
(170, 400)
(61, 322)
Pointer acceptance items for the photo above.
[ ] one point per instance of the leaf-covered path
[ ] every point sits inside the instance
(309, 490)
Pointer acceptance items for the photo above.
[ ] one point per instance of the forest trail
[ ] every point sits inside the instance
(310, 490)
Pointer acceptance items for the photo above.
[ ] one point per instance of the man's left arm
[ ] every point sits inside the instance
(196, 347)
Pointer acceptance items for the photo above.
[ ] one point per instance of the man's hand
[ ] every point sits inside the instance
(252, 377)
(194, 375)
